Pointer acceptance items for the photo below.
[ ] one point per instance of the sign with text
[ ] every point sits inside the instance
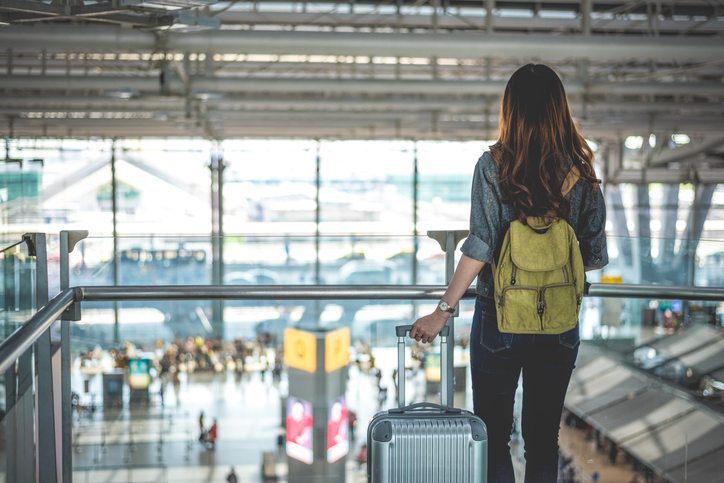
(336, 349)
(300, 349)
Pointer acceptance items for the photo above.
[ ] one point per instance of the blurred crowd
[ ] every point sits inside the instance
(194, 354)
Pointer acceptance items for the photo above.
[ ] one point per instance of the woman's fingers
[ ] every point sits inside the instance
(422, 331)
(417, 332)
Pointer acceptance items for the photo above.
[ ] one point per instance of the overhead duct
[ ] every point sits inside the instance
(57, 38)
(346, 86)
(350, 102)
(457, 22)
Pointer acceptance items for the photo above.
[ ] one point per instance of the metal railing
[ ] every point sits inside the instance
(35, 334)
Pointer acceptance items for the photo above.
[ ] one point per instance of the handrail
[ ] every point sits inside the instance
(12, 347)
(11, 246)
(19, 341)
(263, 292)
(661, 292)
(363, 292)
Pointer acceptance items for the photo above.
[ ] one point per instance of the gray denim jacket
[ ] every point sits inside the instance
(490, 219)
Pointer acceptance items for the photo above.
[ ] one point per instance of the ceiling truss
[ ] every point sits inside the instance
(414, 69)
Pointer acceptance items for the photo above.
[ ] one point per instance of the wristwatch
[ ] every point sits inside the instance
(445, 307)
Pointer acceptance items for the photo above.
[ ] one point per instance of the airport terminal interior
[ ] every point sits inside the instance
(213, 215)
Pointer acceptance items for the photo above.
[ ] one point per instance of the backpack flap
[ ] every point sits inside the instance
(539, 252)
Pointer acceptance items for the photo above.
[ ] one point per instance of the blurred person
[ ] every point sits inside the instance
(523, 176)
(231, 477)
(381, 397)
(352, 422)
(212, 434)
(361, 457)
(202, 429)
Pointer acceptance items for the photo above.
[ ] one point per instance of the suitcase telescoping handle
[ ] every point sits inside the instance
(402, 331)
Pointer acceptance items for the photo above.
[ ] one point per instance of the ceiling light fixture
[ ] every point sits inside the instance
(167, 4)
(204, 95)
(124, 93)
(184, 21)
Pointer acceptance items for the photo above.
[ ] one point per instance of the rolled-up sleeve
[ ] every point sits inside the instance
(485, 211)
(591, 231)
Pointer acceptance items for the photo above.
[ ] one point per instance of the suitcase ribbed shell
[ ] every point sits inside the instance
(428, 450)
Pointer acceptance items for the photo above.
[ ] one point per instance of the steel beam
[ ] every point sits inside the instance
(669, 176)
(57, 38)
(17, 104)
(476, 22)
(326, 129)
(233, 107)
(687, 153)
(149, 84)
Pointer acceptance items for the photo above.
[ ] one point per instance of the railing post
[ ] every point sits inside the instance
(448, 241)
(25, 446)
(46, 435)
(11, 378)
(68, 240)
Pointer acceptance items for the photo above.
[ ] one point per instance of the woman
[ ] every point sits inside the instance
(522, 176)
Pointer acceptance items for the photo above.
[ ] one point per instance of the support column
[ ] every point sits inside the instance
(694, 228)
(415, 233)
(667, 235)
(620, 225)
(317, 238)
(217, 236)
(116, 259)
(644, 233)
(317, 214)
(317, 415)
(586, 7)
(489, 6)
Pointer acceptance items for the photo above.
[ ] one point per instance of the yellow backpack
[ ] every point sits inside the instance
(539, 276)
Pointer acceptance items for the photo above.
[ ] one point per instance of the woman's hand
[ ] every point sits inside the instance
(426, 328)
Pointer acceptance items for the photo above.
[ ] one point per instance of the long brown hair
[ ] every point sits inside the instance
(537, 135)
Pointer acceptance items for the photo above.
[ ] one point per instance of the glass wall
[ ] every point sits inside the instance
(374, 202)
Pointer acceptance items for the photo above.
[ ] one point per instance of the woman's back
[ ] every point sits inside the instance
(491, 214)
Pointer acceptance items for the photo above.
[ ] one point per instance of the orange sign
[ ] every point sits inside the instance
(300, 349)
(336, 349)
(606, 279)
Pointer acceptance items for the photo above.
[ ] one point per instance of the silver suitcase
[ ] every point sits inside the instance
(426, 442)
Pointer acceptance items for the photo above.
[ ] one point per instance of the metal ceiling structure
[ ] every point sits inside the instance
(415, 69)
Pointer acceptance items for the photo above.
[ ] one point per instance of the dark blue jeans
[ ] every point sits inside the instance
(497, 359)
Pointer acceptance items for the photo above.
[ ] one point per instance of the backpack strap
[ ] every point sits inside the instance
(545, 222)
(570, 180)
